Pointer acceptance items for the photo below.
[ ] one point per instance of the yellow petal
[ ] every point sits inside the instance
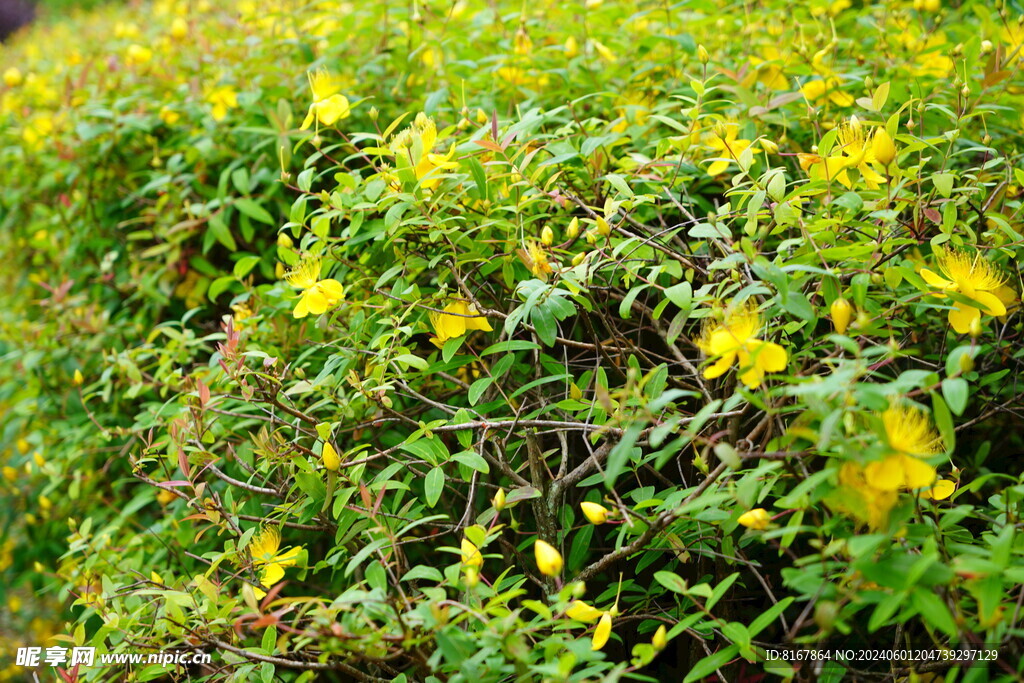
(885, 475)
(308, 121)
(301, 308)
(316, 301)
(581, 611)
(549, 560)
(333, 108)
(718, 167)
(332, 289)
(917, 473)
(769, 356)
(962, 316)
(271, 574)
(935, 280)
(993, 305)
(720, 367)
(602, 632)
(942, 490)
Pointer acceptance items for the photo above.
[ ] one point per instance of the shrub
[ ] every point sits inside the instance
(480, 341)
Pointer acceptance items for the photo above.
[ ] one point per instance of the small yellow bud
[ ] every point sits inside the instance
(702, 54)
(975, 328)
(547, 236)
(883, 147)
(578, 258)
(595, 514)
(78, 379)
(283, 240)
(572, 47)
(38, 458)
(280, 270)
(13, 77)
(179, 28)
(769, 146)
(23, 446)
(841, 311)
(472, 577)
(603, 228)
(10, 474)
(481, 116)
(986, 47)
(591, 237)
(574, 228)
(549, 560)
(757, 519)
(330, 457)
(966, 363)
(660, 639)
(374, 114)
(156, 578)
(499, 500)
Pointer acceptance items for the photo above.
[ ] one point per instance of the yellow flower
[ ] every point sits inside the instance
(12, 77)
(910, 435)
(413, 149)
(471, 556)
(328, 106)
(972, 276)
(264, 550)
(223, 98)
(603, 632)
(733, 340)
(138, 55)
(458, 319)
(330, 457)
(595, 514)
(814, 90)
(757, 519)
(536, 259)
(856, 152)
(179, 28)
(317, 295)
(169, 116)
(549, 560)
(841, 311)
(723, 140)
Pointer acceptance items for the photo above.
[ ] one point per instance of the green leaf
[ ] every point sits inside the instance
(220, 230)
(544, 323)
(254, 211)
(244, 265)
(955, 391)
(711, 663)
(472, 460)
(672, 581)
(434, 485)
(934, 610)
(765, 619)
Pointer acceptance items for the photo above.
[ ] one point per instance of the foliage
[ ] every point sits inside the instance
(489, 341)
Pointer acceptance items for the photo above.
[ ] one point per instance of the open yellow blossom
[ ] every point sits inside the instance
(733, 339)
(414, 149)
(328, 106)
(317, 295)
(457, 319)
(941, 490)
(536, 259)
(972, 276)
(549, 560)
(581, 611)
(722, 139)
(223, 98)
(910, 436)
(855, 152)
(264, 548)
(757, 519)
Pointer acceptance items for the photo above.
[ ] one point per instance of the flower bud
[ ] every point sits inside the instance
(13, 77)
(330, 457)
(769, 146)
(966, 363)
(595, 514)
(841, 311)
(574, 228)
(499, 500)
(579, 258)
(547, 236)
(602, 227)
(471, 556)
(549, 560)
(883, 147)
(975, 328)
(660, 639)
(702, 54)
(284, 241)
(78, 379)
